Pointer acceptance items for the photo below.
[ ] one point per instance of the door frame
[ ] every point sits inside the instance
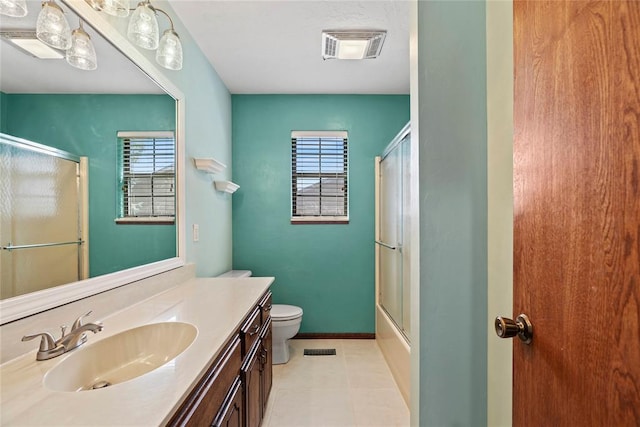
(499, 207)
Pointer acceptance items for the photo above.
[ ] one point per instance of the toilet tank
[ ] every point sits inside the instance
(235, 274)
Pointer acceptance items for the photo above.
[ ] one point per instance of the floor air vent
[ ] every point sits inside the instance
(319, 351)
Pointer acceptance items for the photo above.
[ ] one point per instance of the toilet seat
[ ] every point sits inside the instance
(281, 312)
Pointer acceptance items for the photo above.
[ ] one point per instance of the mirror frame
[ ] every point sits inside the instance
(25, 305)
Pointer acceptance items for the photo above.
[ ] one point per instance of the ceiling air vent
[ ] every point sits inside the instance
(348, 44)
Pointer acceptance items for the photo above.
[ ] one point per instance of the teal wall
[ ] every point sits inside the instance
(87, 125)
(3, 112)
(452, 129)
(328, 270)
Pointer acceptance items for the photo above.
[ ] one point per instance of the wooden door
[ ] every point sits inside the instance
(577, 212)
(252, 389)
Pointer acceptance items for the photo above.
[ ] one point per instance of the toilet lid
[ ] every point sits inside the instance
(285, 312)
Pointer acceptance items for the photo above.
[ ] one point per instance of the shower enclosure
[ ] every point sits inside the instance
(43, 238)
(393, 317)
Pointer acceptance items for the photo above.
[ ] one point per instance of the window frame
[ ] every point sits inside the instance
(319, 219)
(122, 218)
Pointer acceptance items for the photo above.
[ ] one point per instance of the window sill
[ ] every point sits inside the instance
(301, 220)
(145, 220)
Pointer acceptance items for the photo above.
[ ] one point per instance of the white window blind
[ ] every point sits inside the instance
(319, 177)
(148, 175)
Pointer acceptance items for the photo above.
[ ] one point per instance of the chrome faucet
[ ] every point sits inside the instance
(50, 348)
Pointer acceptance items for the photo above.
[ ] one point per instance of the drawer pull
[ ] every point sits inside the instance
(267, 308)
(254, 330)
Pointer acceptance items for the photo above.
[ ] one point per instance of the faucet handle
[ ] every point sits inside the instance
(48, 347)
(78, 322)
(47, 342)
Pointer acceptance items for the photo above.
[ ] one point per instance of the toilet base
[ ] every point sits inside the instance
(280, 352)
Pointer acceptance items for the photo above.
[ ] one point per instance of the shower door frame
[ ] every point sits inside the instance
(402, 245)
(82, 188)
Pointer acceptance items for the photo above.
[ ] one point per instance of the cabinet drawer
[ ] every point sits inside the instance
(206, 399)
(265, 307)
(250, 331)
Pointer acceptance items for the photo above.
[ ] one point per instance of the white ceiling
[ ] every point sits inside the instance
(266, 46)
(256, 46)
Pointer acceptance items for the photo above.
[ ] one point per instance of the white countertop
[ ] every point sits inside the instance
(216, 306)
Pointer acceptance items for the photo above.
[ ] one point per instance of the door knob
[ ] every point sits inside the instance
(508, 328)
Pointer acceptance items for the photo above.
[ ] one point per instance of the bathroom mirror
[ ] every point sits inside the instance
(49, 102)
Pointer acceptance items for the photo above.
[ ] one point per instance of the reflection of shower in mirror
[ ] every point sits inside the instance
(43, 235)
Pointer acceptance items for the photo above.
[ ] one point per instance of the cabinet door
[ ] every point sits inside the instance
(252, 387)
(206, 399)
(231, 413)
(266, 364)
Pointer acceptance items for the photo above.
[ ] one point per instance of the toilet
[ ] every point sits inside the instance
(285, 321)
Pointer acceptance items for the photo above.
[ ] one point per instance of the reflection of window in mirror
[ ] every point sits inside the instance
(146, 177)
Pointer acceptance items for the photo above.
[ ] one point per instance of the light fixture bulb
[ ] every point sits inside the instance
(143, 27)
(52, 27)
(13, 8)
(82, 54)
(169, 53)
(119, 8)
(96, 4)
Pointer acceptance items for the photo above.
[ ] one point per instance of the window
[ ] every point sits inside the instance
(319, 174)
(147, 177)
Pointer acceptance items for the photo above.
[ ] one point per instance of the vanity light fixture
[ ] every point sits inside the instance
(119, 8)
(143, 29)
(52, 27)
(143, 26)
(169, 53)
(13, 8)
(81, 54)
(352, 44)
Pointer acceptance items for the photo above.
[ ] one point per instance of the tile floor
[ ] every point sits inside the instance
(352, 389)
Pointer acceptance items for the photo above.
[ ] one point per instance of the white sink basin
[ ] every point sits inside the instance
(121, 357)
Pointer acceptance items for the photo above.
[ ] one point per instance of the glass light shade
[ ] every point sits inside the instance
(96, 4)
(13, 8)
(143, 27)
(82, 54)
(52, 27)
(169, 53)
(119, 8)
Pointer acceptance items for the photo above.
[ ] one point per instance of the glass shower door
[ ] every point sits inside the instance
(391, 295)
(39, 219)
(393, 233)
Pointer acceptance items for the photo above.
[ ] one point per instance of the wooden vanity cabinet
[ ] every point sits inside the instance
(265, 307)
(250, 331)
(207, 398)
(253, 388)
(232, 412)
(257, 369)
(266, 360)
(234, 390)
